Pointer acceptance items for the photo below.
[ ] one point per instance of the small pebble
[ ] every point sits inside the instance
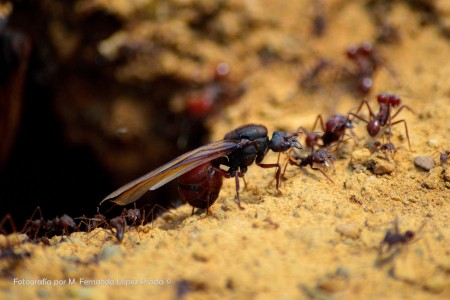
(424, 162)
(381, 164)
(348, 230)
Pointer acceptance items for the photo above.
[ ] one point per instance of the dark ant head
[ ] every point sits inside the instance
(391, 99)
(366, 49)
(444, 156)
(409, 235)
(134, 214)
(373, 127)
(281, 142)
(322, 157)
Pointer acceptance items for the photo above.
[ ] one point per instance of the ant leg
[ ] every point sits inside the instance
(406, 129)
(277, 175)
(318, 169)
(238, 199)
(30, 223)
(285, 166)
(400, 109)
(319, 118)
(11, 223)
(366, 102)
(396, 227)
(358, 117)
(245, 182)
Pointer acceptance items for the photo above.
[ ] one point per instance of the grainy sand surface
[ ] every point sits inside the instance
(313, 241)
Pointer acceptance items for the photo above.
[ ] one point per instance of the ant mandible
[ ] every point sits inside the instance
(384, 116)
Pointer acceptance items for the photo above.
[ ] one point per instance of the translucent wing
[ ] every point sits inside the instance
(182, 164)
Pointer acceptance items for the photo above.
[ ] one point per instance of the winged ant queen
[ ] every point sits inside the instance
(199, 171)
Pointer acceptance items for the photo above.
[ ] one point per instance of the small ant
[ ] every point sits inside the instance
(367, 61)
(395, 238)
(444, 156)
(317, 157)
(386, 148)
(48, 226)
(334, 131)
(118, 224)
(384, 117)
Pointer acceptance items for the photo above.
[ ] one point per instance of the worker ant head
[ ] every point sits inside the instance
(409, 235)
(391, 99)
(281, 141)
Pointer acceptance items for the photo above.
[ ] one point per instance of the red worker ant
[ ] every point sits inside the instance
(46, 227)
(238, 150)
(334, 131)
(384, 117)
(367, 61)
(116, 226)
(385, 148)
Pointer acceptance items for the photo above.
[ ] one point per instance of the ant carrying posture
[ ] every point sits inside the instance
(237, 151)
(384, 117)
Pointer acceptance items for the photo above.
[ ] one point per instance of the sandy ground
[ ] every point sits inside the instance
(313, 241)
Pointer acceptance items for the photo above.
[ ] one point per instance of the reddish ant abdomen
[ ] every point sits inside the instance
(201, 186)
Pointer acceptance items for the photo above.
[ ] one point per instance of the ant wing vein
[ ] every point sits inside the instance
(133, 190)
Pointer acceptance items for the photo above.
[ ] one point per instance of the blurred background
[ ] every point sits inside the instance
(95, 93)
